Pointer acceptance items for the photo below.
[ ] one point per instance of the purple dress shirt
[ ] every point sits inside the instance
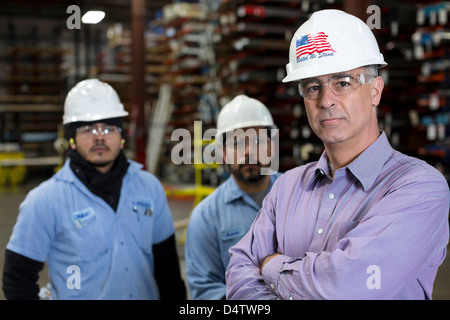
(379, 230)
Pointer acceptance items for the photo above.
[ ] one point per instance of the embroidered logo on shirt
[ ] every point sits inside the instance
(237, 231)
(83, 217)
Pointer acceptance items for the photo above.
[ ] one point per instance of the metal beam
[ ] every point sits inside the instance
(138, 78)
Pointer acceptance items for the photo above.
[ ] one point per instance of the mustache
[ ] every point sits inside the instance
(252, 162)
(328, 114)
(99, 145)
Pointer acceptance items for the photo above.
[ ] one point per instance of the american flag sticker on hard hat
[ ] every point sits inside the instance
(312, 43)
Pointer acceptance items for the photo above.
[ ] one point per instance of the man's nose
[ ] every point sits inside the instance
(328, 98)
(99, 135)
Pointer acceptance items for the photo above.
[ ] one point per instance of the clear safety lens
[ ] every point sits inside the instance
(339, 84)
(95, 131)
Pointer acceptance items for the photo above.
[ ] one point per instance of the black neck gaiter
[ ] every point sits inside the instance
(105, 185)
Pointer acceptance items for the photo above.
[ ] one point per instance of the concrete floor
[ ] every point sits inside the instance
(9, 203)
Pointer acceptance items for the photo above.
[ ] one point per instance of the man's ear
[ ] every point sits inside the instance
(377, 86)
(72, 144)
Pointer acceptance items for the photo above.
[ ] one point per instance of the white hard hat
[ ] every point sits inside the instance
(243, 112)
(92, 100)
(331, 41)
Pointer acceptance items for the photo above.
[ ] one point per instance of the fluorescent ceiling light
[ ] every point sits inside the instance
(93, 17)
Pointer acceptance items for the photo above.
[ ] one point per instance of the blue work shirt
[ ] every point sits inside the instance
(216, 224)
(93, 252)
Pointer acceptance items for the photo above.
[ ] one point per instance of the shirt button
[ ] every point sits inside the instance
(320, 231)
(291, 298)
(331, 196)
(272, 286)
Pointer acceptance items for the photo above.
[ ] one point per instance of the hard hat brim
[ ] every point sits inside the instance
(315, 71)
(93, 117)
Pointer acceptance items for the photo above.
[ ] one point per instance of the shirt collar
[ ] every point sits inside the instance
(366, 167)
(321, 169)
(233, 191)
(66, 174)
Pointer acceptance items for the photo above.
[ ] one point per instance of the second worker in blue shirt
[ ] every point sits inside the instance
(223, 218)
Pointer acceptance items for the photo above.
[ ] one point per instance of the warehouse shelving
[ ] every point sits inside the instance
(32, 104)
(415, 105)
(213, 50)
(184, 34)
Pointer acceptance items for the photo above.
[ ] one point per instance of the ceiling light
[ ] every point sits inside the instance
(93, 17)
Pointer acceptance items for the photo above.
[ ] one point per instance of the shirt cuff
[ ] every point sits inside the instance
(271, 272)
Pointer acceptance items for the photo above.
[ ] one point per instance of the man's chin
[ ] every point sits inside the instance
(250, 169)
(101, 163)
(253, 178)
(251, 174)
(247, 173)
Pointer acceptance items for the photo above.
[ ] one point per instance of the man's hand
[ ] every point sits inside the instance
(267, 259)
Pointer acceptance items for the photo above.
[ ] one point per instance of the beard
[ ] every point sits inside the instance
(249, 175)
(100, 163)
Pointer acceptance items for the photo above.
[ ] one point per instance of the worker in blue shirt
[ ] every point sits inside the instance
(101, 223)
(246, 131)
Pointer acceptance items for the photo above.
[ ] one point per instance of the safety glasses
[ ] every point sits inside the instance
(90, 131)
(339, 84)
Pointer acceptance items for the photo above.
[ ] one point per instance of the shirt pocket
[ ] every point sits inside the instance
(87, 235)
(142, 221)
(229, 237)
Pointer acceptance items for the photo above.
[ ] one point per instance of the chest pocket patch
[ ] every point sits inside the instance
(83, 217)
(233, 232)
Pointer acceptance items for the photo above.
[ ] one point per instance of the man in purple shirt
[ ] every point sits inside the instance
(364, 221)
